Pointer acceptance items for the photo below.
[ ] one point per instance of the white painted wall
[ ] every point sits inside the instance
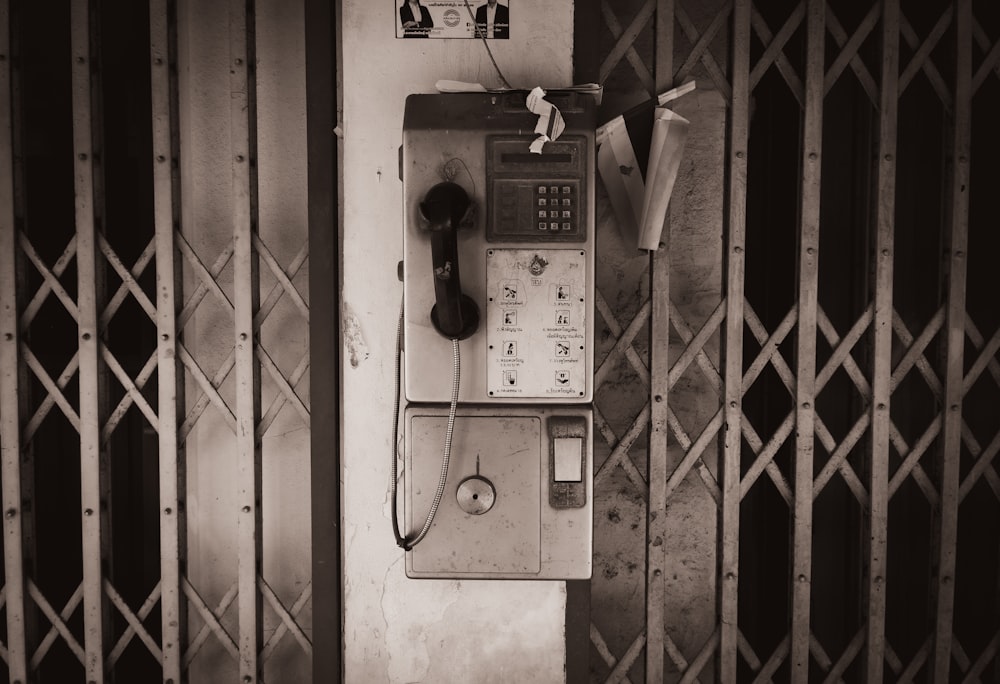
(400, 630)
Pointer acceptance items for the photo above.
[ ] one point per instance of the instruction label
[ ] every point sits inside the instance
(536, 311)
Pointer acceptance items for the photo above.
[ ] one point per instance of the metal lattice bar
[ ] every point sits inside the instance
(163, 95)
(735, 236)
(657, 529)
(86, 257)
(946, 520)
(244, 214)
(879, 407)
(805, 388)
(10, 424)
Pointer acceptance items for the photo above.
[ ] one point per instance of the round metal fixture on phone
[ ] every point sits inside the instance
(476, 495)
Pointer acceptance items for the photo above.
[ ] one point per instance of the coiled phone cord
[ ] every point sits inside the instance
(401, 541)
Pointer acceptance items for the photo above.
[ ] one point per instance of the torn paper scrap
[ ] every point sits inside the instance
(638, 160)
(550, 123)
(669, 135)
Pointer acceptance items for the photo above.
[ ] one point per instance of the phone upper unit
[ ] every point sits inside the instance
(498, 249)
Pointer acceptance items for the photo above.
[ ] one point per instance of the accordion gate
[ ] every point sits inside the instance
(839, 398)
(100, 388)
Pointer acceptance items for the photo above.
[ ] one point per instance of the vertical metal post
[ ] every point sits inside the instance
(878, 467)
(244, 198)
(164, 195)
(805, 388)
(946, 520)
(659, 372)
(735, 208)
(90, 457)
(10, 419)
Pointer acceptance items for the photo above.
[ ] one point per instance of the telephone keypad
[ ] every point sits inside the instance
(555, 210)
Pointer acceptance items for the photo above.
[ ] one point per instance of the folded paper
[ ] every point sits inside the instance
(638, 159)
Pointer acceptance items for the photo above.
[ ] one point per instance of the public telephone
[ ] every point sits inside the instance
(497, 330)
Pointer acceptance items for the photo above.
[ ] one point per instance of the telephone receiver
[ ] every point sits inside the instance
(445, 208)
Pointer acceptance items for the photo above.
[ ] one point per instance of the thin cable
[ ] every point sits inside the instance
(401, 541)
(482, 35)
(446, 454)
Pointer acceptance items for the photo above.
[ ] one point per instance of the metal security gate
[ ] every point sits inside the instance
(123, 333)
(832, 410)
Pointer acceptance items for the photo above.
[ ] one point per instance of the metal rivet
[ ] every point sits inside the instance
(8, 336)
(88, 512)
(658, 398)
(239, 157)
(246, 509)
(657, 572)
(954, 407)
(80, 60)
(806, 405)
(160, 158)
(881, 407)
(168, 510)
(813, 155)
(238, 61)
(86, 336)
(878, 579)
(730, 575)
(158, 61)
(802, 578)
(888, 157)
(164, 337)
(959, 254)
(738, 249)
(885, 252)
(10, 513)
(739, 155)
(810, 250)
(247, 678)
(82, 156)
(243, 336)
(732, 404)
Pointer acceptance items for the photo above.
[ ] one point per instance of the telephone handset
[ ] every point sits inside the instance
(444, 210)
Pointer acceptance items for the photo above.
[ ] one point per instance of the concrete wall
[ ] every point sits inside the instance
(400, 630)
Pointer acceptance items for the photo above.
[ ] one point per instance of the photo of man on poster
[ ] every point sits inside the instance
(493, 20)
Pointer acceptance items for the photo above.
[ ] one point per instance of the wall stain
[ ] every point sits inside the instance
(354, 339)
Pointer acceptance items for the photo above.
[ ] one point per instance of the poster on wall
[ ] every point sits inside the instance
(453, 19)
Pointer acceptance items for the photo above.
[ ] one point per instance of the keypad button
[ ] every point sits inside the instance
(542, 213)
(542, 202)
(554, 189)
(566, 225)
(567, 189)
(553, 214)
(567, 202)
(542, 189)
(567, 214)
(542, 225)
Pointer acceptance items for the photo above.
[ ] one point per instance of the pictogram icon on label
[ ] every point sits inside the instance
(510, 317)
(562, 316)
(510, 348)
(510, 378)
(562, 349)
(560, 293)
(562, 378)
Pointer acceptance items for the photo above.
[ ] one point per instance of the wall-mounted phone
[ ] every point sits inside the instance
(498, 255)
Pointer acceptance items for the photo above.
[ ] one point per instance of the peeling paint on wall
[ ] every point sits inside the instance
(354, 339)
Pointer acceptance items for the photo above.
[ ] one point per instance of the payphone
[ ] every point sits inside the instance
(497, 338)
